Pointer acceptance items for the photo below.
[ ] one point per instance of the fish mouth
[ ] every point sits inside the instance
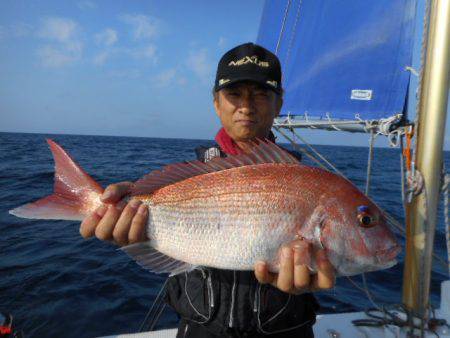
(388, 255)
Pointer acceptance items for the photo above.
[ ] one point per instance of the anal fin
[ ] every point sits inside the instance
(153, 260)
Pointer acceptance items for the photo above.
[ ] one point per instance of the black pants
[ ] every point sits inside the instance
(188, 329)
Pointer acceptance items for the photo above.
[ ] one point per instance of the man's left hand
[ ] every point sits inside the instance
(294, 276)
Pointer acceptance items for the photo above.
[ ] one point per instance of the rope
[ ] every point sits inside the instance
(318, 154)
(155, 311)
(398, 315)
(286, 11)
(402, 173)
(407, 151)
(445, 189)
(364, 289)
(412, 71)
(369, 161)
(303, 151)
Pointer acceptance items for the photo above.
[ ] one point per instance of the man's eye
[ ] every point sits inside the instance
(233, 93)
(261, 94)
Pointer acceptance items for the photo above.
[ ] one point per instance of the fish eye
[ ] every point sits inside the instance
(366, 221)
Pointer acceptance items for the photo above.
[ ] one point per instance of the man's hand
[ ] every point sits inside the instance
(294, 275)
(120, 222)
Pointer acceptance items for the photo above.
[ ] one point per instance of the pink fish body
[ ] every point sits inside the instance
(230, 213)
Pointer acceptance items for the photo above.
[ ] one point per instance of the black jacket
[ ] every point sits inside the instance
(227, 301)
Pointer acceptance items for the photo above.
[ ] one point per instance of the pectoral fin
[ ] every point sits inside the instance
(153, 260)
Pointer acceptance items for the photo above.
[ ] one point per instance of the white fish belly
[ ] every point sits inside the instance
(226, 238)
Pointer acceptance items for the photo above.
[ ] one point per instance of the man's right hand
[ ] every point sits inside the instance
(118, 221)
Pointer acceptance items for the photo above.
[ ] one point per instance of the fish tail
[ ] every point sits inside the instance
(75, 193)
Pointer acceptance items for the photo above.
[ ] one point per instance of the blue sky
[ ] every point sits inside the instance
(126, 68)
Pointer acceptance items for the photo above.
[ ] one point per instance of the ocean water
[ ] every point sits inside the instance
(56, 284)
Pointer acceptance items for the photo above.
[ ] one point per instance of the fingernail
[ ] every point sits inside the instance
(287, 252)
(101, 210)
(260, 266)
(142, 209)
(120, 205)
(134, 204)
(298, 258)
(107, 194)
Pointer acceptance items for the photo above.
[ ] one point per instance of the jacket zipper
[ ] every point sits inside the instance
(233, 296)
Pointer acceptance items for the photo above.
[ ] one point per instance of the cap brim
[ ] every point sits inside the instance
(261, 81)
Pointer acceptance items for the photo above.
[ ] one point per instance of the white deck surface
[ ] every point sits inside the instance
(340, 325)
(327, 326)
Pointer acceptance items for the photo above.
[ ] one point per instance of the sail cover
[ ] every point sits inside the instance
(341, 58)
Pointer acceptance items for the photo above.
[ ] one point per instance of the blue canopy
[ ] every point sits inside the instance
(341, 57)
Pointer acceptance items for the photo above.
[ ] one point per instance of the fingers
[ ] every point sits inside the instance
(325, 277)
(115, 192)
(87, 227)
(122, 227)
(105, 227)
(302, 274)
(137, 228)
(262, 273)
(294, 275)
(285, 281)
(121, 222)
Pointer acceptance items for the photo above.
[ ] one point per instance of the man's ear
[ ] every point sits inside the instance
(279, 104)
(216, 104)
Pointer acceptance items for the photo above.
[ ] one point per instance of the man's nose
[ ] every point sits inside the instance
(247, 104)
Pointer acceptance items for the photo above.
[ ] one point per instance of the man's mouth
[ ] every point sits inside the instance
(245, 122)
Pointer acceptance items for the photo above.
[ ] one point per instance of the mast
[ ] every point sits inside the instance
(432, 110)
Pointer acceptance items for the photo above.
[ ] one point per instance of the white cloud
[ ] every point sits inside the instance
(107, 37)
(52, 56)
(146, 52)
(143, 26)
(86, 4)
(199, 63)
(101, 58)
(165, 78)
(59, 29)
(64, 45)
(127, 74)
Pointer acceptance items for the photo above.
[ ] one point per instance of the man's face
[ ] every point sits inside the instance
(247, 110)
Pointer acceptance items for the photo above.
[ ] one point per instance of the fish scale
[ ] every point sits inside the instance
(257, 203)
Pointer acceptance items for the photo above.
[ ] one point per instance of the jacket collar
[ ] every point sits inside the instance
(227, 144)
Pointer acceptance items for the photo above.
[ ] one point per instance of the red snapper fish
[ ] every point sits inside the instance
(231, 212)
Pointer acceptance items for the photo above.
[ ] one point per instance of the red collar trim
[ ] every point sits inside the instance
(227, 144)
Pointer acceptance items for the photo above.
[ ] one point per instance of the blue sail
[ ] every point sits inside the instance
(341, 58)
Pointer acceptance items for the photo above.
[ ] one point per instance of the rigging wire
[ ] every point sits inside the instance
(369, 161)
(302, 150)
(445, 189)
(286, 11)
(293, 32)
(155, 311)
(318, 154)
(391, 220)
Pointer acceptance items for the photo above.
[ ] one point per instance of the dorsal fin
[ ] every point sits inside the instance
(262, 152)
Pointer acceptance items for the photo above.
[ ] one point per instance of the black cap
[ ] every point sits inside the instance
(249, 62)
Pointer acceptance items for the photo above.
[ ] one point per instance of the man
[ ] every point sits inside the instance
(223, 303)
